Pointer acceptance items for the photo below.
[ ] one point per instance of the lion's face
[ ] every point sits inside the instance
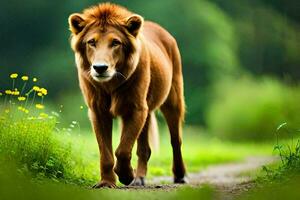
(107, 49)
(104, 50)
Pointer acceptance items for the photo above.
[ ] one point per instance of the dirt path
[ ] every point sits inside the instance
(223, 174)
(231, 178)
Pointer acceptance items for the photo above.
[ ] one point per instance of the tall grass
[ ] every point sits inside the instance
(281, 180)
(29, 136)
(289, 153)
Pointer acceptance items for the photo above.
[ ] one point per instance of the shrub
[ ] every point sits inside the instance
(248, 109)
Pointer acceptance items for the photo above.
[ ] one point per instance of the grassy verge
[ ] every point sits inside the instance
(289, 153)
(280, 180)
(73, 158)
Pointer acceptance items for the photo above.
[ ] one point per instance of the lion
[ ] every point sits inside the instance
(128, 68)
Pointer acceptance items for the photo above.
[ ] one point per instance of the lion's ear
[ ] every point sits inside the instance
(76, 23)
(134, 24)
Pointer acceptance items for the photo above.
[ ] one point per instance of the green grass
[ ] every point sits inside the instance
(36, 148)
(279, 180)
(199, 151)
(280, 190)
(73, 157)
(16, 186)
(289, 153)
(41, 160)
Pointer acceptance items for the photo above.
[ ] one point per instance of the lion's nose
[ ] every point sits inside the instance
(100, 68)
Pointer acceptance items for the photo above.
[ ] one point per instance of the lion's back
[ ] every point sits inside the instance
(162, 48)
(153, 32)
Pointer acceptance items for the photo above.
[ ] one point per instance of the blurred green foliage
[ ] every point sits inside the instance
(249, 109)
(284, 190)
(218, 39)
(14, 185)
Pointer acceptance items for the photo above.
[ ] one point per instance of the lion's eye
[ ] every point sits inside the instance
(92, 42)
(115, 43)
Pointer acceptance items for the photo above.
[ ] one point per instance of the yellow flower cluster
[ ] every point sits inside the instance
(24, 78)
(23, 95)
(14, 75)
(23, 109)
(44, 91)
(39, 106)
(40, 91)
(12, 92)
(36, 88)
(20, 98)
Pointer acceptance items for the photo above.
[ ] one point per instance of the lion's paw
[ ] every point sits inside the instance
(125, 173)
(104, 184)
(138, 181)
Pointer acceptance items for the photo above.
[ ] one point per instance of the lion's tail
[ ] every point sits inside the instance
(153, 133)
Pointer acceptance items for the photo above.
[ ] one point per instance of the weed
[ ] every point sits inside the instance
(289, 153)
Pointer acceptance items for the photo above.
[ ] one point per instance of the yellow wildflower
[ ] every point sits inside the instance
(39, 106)
(8, 91)
(36, 88)
(6, 111)
(40, 94)
(26, 111)
(20, 108)
(44, 91)
(34, 79)
(14, 75)
(24, 78)
(21, 98)
(16, 93)
(81, 107)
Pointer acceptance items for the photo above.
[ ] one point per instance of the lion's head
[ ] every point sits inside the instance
(105, 41)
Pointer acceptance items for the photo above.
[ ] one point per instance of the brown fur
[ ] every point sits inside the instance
(147, 75)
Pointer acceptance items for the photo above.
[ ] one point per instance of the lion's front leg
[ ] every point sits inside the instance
(132, 124)
(102, 125)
